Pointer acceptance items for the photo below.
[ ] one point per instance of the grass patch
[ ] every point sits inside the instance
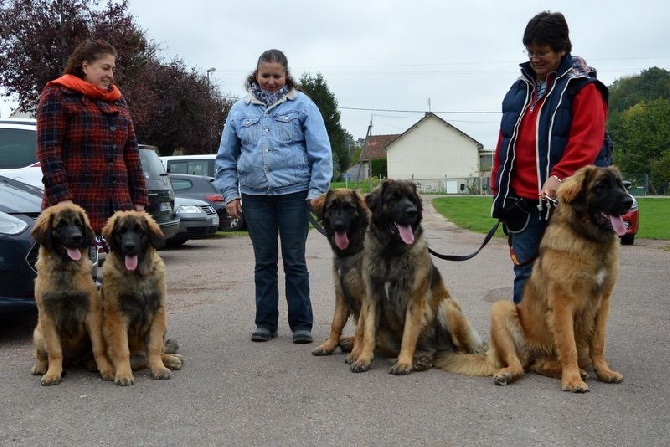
(473, 213)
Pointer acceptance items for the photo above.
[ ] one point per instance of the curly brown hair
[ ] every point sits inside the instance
(90, 51)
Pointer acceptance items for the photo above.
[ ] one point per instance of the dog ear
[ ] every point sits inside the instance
(155, 233)
(574, 188)
(318, 204)
(42, 230)
(373, 198)
(108, 232)
(89, 235)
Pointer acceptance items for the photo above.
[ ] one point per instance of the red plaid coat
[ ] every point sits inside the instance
(88, 153)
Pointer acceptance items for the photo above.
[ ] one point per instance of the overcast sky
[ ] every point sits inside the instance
(380, 57)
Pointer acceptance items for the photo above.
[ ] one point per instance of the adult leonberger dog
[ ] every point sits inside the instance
(406, 301)
(69, 322)
(558, 329)
(133, 297)
(345, 218)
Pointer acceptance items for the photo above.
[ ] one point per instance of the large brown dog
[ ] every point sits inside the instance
(69, 323)
(558, 329)
(406, 299)
(345, 218)
(133, 295)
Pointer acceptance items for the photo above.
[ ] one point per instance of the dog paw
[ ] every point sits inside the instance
(503, 379)
(400, 369)
(38, 370)
(346, 344)
(323, 350)
(575, 386)
(422, 363)
(49, 379)
(107, 374)
(609, 376)
(173, 361)
(160, 374)
(358, 367)
(124, 380)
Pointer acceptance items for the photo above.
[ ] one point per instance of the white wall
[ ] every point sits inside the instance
(432, 150)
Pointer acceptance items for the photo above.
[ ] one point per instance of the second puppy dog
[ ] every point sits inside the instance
(133, 294)
(406, 299)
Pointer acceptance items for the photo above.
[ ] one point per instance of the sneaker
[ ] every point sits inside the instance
(263, 334)
(302, 336)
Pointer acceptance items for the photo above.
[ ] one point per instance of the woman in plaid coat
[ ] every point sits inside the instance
(85, 138)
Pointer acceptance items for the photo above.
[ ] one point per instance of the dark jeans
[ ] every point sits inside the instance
(287, 217)
(525, 245)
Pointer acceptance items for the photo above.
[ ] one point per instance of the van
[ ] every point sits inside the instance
(195, 164)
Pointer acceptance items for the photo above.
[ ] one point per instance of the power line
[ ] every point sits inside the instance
(367, 109)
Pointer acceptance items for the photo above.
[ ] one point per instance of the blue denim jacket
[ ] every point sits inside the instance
(278, 150)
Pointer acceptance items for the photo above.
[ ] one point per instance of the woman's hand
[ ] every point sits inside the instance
(234, 208)
(550, 187)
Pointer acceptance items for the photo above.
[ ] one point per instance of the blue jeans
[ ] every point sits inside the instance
(525, 246)
(285, 216)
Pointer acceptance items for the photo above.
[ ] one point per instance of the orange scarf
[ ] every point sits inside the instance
(87, 89)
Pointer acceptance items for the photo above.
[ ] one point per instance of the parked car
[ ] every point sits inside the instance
(18, 150)
(194, 164)
(161, 195)
(197, 220)
(631, 220)
(18, 160)
(201, 187)
(20, 205)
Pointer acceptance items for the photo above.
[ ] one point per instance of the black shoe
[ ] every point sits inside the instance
(302, 337)
(263, 334)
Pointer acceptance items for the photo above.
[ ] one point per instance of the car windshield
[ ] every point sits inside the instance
(18, 148)
(151, 164)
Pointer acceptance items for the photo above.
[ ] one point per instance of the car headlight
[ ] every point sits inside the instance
(11, 225)
(189, 209)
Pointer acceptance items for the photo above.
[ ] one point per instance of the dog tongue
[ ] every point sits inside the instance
(618, 225)
(341, 240)
(131, 263)
(406, 233)
(73, 253)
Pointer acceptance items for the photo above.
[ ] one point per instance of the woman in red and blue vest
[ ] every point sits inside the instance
(553, 123)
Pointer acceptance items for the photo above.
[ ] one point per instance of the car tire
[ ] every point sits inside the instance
(628, 239)
(175, 243)
(230, 224)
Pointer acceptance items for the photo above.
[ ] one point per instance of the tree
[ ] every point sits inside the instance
(639, 109)
(172, 107)
(317, 89)
(36, 37)
(643, 140)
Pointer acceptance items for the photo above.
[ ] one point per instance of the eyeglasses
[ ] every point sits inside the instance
(539, 54)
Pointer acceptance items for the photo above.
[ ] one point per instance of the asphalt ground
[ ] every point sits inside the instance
(235, 392)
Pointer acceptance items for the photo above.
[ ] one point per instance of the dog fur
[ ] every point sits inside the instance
(558, 329)
(69, 322)
(407, 303)
(133, 295)
(344, 216)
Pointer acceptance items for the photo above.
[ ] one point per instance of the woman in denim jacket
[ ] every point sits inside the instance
(274, 158)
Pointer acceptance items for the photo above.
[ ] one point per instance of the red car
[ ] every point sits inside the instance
(632, 221)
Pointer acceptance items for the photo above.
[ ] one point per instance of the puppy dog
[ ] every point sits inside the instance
(558, 328)
(133, 295)
(69, 323)
(345, 218)
(406, 300)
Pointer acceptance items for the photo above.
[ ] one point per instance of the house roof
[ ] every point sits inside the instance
(480, 146)
(375, 146)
